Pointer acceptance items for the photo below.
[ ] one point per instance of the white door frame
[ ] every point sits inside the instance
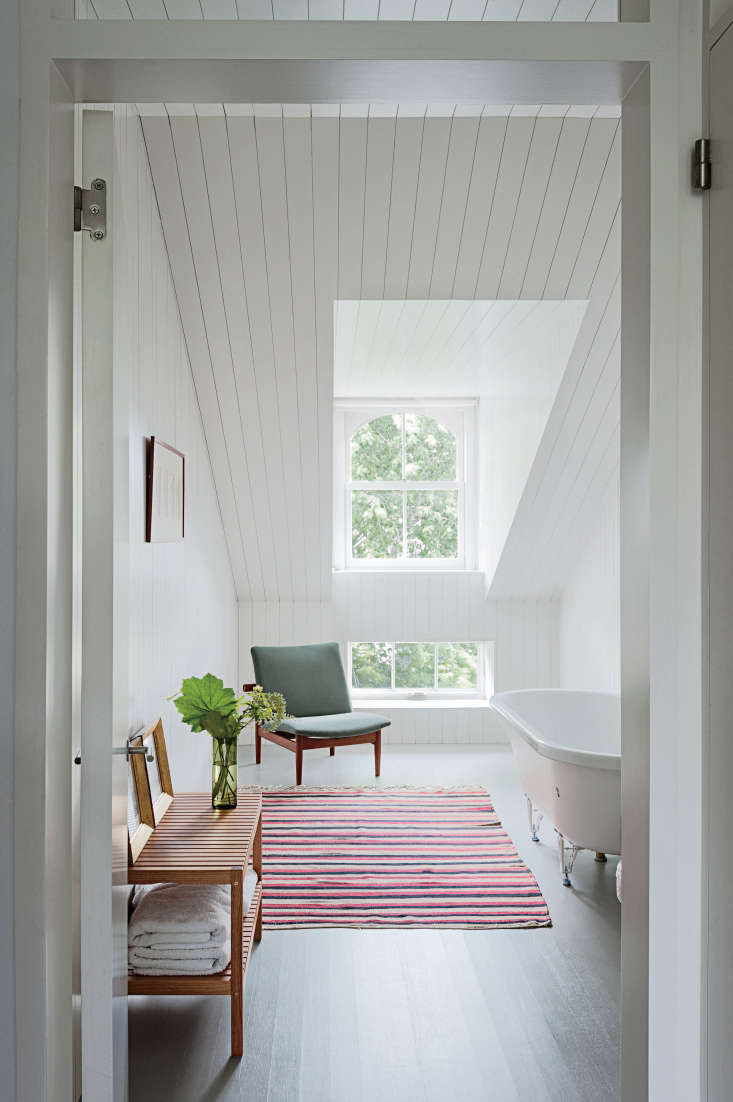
(42, 802)
(105, 537)
(672, 43)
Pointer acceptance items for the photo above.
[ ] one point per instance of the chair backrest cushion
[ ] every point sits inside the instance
(311, 678)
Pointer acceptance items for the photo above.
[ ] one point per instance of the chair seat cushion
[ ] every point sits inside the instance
(341, 725)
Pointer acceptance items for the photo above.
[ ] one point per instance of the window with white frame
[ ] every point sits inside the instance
(403, 491)
(421, 670)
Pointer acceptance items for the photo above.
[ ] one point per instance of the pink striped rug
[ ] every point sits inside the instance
(392, 857)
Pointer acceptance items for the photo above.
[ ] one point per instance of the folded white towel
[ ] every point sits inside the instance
(187, 915)
(183, 929)
(183, 963)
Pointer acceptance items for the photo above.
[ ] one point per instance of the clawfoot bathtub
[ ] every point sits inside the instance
(568, 749)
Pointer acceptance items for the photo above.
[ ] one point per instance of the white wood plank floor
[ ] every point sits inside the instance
(346, 1015)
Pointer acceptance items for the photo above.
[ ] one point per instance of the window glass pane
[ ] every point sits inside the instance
(376, 524)
(371, 665)
(457, 666)
(430, 450)
(432, 524)
(376, 450)
(414, 665)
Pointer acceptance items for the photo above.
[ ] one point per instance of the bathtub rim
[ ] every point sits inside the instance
(585, 758)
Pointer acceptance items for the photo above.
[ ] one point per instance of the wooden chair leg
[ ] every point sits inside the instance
(332, 750)
(258, 744)
(377, 752)
(298, 759)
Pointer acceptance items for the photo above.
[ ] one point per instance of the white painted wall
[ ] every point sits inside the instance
(9, 115)
(182, 603)
(509, 430)
(589, 639)
(579, 450)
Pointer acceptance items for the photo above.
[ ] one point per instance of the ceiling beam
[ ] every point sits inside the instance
(221, 40)
(194, 80)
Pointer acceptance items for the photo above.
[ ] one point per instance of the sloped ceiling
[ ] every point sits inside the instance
(272, 214)
(437, 348)
(539, 11)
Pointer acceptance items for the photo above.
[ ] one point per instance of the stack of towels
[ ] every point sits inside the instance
(183, 929)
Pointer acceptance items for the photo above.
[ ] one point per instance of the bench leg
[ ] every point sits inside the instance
(332, 750)
(236, 995)
(298, 759)
(377, 752)
(258, 744)
(257, 866)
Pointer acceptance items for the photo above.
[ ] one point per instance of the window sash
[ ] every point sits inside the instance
(484, 672)
(400, 561)
(456, 414)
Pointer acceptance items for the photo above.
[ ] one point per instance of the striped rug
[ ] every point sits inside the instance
(392, 857)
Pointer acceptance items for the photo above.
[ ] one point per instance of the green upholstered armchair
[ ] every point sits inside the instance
(313, 682)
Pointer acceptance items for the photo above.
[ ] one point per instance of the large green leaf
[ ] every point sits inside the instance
(202, 696)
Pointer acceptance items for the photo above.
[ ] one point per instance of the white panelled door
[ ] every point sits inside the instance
(104, 657)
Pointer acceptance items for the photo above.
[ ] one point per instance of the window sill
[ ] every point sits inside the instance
(369, 704)
(356, 571)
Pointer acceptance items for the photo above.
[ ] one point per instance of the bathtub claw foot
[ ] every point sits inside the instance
(534, 823)
(567, 860)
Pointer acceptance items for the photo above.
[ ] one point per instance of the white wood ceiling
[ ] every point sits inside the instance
(505, 348)
(540, 11)
(271, 215)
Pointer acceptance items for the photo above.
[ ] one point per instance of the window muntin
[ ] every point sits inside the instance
(405, 669)
(405, 489)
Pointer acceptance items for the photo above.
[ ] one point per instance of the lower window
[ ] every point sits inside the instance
(420, 669)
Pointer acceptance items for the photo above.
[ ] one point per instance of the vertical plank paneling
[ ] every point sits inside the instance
(430, 189)
(299, 187)
(215, 146)
(245, 175)
(182, 611)
(162, 161)
(273, 197)
(325, 179)
(208, 269)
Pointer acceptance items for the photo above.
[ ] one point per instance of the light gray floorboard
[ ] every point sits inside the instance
(408, 1015)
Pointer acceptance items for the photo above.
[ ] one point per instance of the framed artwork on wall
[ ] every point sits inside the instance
(164, 520)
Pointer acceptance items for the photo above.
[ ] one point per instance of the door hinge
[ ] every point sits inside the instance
(701, 165)
(90, 209)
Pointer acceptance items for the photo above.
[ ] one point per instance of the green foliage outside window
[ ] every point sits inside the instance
(430, 450)
(415, 666)
(457, 665)
(398, 523)
(376, 524)
(371, 665)
(376, 450)
(432, 524)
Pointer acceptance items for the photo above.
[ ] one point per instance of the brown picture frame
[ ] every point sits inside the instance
(158, 771)
(140, 814)
(153, 521)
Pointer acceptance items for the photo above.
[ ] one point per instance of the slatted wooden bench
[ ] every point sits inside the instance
(194, 844)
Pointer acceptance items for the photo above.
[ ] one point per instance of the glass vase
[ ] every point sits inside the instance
(224, 773)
